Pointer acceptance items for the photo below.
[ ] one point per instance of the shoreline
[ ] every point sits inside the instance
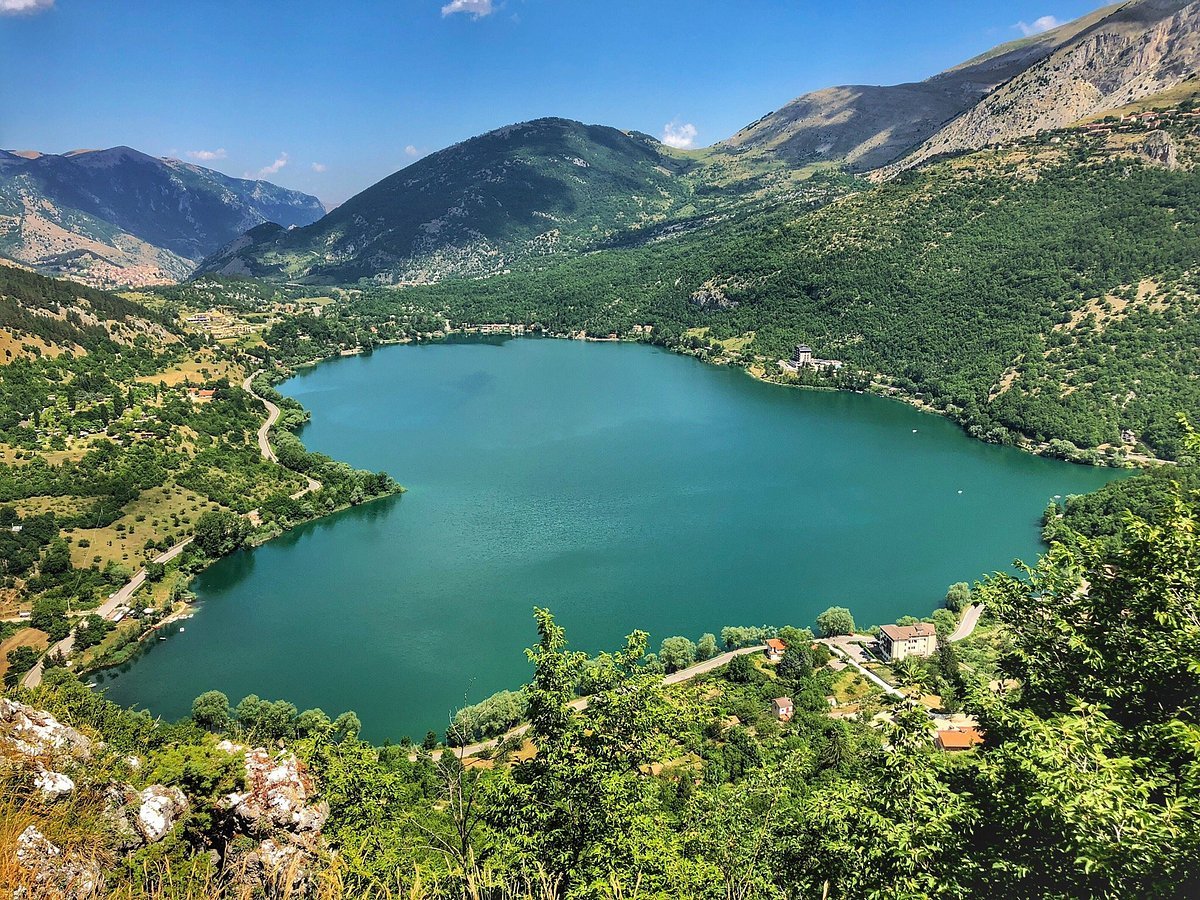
(186, 608)
(876, 389)
(279, 375)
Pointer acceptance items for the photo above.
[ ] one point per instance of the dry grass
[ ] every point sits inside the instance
(14, 345)
(123, 540)
(26, 637)
(201, 367)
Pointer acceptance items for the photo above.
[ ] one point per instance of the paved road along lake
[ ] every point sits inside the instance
(620, 485)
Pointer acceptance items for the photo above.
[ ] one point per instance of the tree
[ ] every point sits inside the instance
(155, 571)
(958, 597)
(57, 558)
(836, 620)
(20, 661)
(211, 711)
(430, 741)
(706, 647)
(219, 532)
(796, 664)
(677, 653)
(575, 806)
(740, 669)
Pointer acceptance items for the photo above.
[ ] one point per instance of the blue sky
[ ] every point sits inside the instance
(330, 97)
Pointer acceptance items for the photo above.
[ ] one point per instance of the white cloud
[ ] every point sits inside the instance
(204, 155)
(1045, 23)
(16, 7)
(476, 9)
(680, 135)
(280, 162)
(319, 167)
(412, 151)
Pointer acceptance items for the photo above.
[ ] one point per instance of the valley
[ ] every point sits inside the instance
(838, 475)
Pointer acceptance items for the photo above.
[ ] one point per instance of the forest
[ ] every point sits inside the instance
(1042, 291)
(1086, 784)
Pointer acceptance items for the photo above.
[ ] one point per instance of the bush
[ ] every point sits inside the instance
(836, 620)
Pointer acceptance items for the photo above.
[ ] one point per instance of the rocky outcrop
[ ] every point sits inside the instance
(48, 873)
(35, 734)
(868, 126)
(33, 740)
(136, 818)
(159, 809)
(278, 807)
(1137, 51)
(1159, 148)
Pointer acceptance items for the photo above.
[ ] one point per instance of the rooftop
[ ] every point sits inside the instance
(909, 632)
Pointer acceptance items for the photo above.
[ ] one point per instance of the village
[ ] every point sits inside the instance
(864, 673)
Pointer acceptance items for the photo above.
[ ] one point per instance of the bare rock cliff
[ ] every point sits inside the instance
(1139, 50)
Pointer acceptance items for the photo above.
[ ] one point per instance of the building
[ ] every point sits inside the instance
(802, 358)
(898, 641)
(783, 709)
(954, 740)
(775, 649)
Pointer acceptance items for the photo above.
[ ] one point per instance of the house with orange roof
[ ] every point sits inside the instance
(775, 649)
(955, 740)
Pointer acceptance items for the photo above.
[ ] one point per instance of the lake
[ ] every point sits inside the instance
(621, 486)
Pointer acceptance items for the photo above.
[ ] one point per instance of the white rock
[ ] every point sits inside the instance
(159, 810)
(53, 784)
(33, 847)
(34, 732)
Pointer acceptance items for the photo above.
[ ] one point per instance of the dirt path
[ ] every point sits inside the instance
(700, 668)
(264, 436)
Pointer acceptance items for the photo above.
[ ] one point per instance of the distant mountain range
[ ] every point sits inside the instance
(120, 217)
(554, 185)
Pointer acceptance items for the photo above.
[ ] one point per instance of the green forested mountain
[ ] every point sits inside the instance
(475, 208)
(1043, 289)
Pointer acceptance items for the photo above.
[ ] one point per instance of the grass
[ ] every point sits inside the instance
(850, 687)
(157, 515)
(26, 637)
(203, 366)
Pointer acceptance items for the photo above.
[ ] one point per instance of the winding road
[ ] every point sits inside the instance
(700, 668)
(123, 596)
(264, 435)
(969, 620)
(105, 610)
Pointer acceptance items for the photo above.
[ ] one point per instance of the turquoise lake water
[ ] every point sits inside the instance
(620, 485)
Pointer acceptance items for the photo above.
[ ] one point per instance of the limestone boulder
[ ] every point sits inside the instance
(46, 872)
(36, 734)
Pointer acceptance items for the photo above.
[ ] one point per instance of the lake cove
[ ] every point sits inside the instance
(621, 486)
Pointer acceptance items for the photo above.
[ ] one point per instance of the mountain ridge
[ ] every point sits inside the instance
(511, 195)
(120, 216)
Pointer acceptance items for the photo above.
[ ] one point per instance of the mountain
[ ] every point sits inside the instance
(473, 209)
(117, 216)
(552, 185)
(868, 126)
(1134, 51)
(44, 317)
